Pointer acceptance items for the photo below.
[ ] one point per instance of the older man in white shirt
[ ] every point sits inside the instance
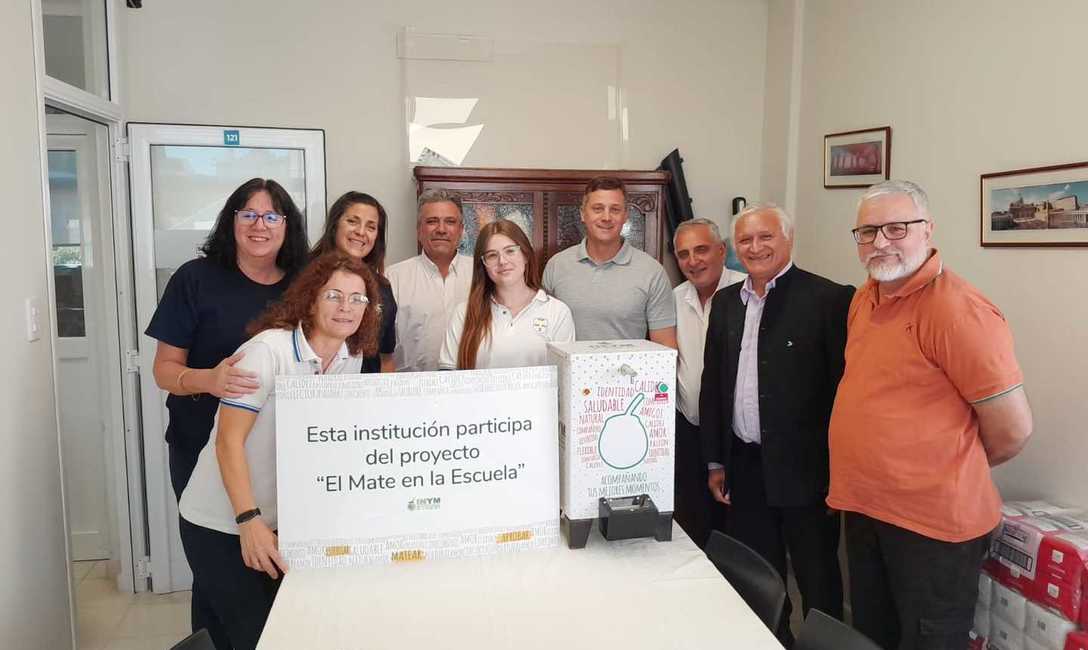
(430, 285)
(700, 254)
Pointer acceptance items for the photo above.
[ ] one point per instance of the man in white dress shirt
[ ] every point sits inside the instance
(430, 285)
(700, 254)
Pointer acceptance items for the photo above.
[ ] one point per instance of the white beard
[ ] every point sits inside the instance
(886, 271)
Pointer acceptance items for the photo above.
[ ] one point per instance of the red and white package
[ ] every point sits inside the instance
(1075, 521)
(985, 588)
(1016, 544)
(1076, 641)
(1003, 636)
(982, 620)
(1009, 577)
(1009, 605)
(1037, 508)
(1060, 596)
(1063, 556)
(975, 641)
(1032, 644)
(1084, 600)
(1046, 627)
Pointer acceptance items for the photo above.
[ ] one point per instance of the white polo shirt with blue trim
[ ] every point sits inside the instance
(270, 353)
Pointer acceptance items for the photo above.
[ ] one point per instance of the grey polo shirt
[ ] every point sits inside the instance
(622, 298)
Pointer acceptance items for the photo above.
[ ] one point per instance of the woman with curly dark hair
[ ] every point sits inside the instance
(356, 227)
(257, 245)
(323, 325)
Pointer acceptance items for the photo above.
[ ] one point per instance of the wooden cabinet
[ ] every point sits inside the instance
(546, 202)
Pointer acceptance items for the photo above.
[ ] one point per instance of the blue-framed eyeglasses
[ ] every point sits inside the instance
(249, 217)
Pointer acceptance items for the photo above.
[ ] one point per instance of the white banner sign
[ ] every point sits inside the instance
(411, 466)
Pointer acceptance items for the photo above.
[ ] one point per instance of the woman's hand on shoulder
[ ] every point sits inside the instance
(225, 380)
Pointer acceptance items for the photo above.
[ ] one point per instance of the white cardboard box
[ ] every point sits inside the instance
(617, 404)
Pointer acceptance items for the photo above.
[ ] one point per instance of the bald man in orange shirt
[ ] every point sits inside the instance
(931, 398)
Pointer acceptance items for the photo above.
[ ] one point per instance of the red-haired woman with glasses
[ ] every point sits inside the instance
(323, 325)
(508, 320)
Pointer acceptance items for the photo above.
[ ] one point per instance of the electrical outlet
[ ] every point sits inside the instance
(33, 319)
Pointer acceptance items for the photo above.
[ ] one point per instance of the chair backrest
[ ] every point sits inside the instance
(823, 632)
(752, 576)
(199, 640)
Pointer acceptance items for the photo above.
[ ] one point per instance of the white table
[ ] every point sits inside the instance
(625, 594)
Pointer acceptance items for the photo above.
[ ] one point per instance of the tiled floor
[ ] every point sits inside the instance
(110, 620)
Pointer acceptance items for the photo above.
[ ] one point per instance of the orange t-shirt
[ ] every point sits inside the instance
(905, 446)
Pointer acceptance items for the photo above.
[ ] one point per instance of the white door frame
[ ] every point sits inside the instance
(67, 133)
(167, 568)
(125, 457)
(123, 443)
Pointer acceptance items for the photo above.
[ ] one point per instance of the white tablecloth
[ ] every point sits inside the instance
(609, 595)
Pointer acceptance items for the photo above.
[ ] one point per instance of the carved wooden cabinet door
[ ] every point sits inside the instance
(546, 203)
(481, 207)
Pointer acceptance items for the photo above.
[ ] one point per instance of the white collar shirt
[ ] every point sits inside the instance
(516, 341)
(425, 301)
(270, 353)
(746, 392)
(692, 319)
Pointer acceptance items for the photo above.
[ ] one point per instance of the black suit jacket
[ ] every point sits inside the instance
(802, 337)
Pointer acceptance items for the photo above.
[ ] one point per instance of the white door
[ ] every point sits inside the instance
(79, 197)
(180, 177)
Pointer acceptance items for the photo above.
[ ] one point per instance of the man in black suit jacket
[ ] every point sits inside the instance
(773, 360)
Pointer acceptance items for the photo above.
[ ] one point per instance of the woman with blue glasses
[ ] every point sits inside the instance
(256, 247)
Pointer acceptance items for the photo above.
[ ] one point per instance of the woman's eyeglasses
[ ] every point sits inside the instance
(250, 217)
(354, 301)
(491, 258)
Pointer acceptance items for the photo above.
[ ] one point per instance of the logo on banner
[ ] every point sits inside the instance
(662, 394)
(424, 503)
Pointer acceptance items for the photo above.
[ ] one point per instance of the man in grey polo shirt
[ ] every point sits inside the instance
(614, 290)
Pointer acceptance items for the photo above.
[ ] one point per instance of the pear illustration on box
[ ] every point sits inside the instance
(623, 442)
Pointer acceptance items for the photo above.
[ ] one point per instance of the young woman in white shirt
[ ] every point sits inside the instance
(322, 325)
(508, 320)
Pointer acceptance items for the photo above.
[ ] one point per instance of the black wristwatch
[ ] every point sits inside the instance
(247, 515)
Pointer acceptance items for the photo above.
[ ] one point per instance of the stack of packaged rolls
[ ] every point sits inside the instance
(1032, 590)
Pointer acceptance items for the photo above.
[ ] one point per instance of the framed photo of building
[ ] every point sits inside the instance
(857, 158)
(1043, 206)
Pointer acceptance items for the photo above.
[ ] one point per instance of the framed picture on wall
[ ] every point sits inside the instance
(857, 158)
(1042, 206)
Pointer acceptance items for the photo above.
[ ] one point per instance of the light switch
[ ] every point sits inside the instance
(33, 319)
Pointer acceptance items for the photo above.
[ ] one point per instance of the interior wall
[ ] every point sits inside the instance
(690, 74)
(781, 96)
(968, 89)
(35, 610)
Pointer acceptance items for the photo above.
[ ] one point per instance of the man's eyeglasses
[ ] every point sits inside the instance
(249, 217)
(892, 231)
(355, 300)
(491, 258)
